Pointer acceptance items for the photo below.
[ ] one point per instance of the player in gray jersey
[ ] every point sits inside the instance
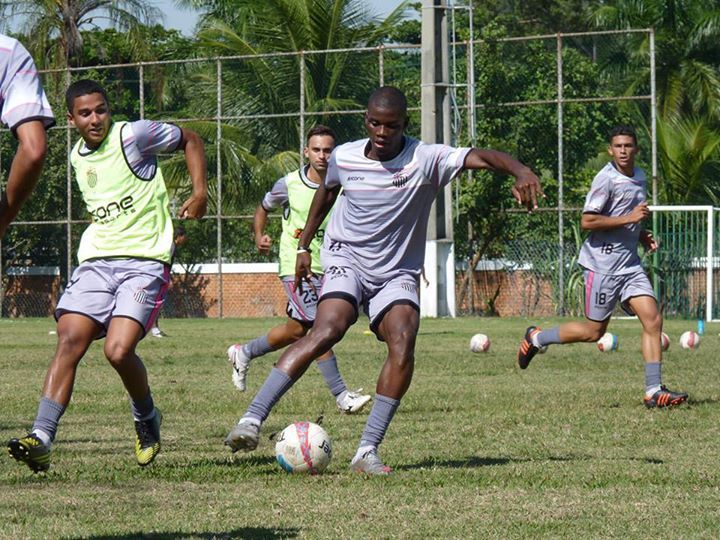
(373, 254)
(293, 193)
(613, 213)
(24, 108)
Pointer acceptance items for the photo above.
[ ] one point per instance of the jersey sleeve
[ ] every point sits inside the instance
(152, 138)
(23, 98)
(277, 196)
(599, 194)
(332, 176)
(445, 162)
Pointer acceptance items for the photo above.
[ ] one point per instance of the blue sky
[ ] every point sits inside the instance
(185, 20)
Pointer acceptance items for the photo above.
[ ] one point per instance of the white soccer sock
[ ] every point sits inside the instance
(44, 437)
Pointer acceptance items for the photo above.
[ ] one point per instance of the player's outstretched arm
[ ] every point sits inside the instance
(527, 187)
(24, 171)
(598, 222)
(262, 240)
(196, 206)
(321, 204)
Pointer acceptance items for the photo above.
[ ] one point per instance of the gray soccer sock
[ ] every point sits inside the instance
(257, 347)
(48, 417)
(549, 337)
(377, 423)
(143, 409)
(653, 375)
(274, 387)
(332, 376)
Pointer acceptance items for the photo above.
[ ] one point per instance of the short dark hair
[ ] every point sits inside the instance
(388, 97)
(83, 87)
(179, 230)
(320, 129)
(622, 129)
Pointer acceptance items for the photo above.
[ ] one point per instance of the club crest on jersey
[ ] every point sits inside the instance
(91, 177)
(400, 179)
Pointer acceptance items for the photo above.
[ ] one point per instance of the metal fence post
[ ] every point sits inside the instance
(561, 225)
(141, 90)
(653, 152)
(68, 179)
(218, 167)
(381, 64)
(302, 104)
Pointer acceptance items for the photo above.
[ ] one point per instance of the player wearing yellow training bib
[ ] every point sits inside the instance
(119, 287)
(294, 193)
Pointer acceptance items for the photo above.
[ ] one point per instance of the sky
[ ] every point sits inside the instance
(184, 20)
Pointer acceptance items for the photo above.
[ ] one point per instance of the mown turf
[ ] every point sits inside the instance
(480, 449)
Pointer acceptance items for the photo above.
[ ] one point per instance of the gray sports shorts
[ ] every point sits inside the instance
(341, 280)
(105, 288)
(302, 306)
(602, 292)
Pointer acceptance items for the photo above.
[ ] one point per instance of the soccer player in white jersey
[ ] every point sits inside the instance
(373, 254)
(124, 254)
(294, 193)
(614, 211)
(24, 109)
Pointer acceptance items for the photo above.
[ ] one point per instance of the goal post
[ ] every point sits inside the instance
(685, 266)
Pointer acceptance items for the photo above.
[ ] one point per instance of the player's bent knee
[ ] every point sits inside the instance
(117, 352)
(327, 335)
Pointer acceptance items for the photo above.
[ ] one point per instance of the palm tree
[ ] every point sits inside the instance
(687, 51)
(689, 161)
(53, 26)
(261, 150)
(272, 84)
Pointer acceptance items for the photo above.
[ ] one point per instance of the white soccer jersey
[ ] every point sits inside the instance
(613, 251)
(22, 97)
(381, 224)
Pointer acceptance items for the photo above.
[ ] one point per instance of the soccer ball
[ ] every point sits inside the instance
(608, 343)
(689, 340)
(303, 447)
(664, 341)
(479, 343)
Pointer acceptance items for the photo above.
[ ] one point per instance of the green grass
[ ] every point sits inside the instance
(480, 449)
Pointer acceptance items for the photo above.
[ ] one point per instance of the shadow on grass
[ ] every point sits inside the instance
(476, 461)
(226, 461)
(471, 461)
(258, 533)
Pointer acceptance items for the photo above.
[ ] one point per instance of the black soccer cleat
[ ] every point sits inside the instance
(527, 350)
(665, 398)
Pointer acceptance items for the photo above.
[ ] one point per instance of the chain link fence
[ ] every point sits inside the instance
(548, 99)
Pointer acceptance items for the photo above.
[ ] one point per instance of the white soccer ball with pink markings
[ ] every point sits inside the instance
(689, 340)
(664, 342)
(607, 343)
(303, 447)
(479, 343)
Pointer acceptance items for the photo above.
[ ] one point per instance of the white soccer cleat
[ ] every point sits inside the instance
(351, 402)
(244, 436)
(240, 364)
(371, 464)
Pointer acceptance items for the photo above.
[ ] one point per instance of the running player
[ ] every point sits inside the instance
(124, 256)
(293, 193)
(614, 210)
(373, 254)
(24, 108)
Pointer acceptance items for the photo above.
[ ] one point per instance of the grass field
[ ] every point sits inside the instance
(480, 449)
